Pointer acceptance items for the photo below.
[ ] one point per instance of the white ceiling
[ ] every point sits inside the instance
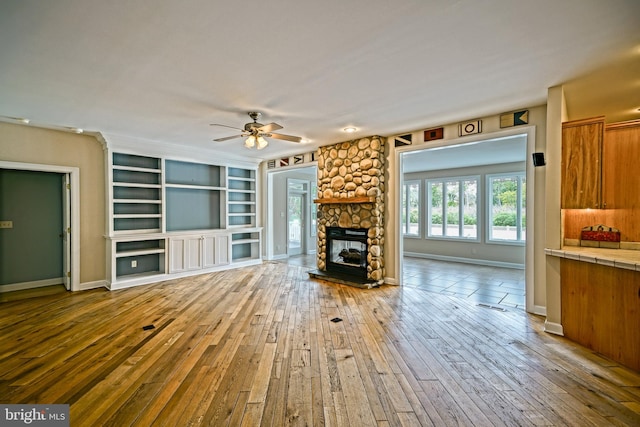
(162, 70)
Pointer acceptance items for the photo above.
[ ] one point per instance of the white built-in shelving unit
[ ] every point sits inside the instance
(171, 218)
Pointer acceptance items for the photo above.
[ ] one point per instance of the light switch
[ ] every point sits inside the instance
(6, 224)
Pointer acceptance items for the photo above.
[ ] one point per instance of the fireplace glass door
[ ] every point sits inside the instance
(347, 251)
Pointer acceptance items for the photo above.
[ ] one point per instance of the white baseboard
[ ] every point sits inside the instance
(30, 285)
(539, 310)
(93, 285)
(390, 281)
(277, 257)
(466, 260)
(553, 328)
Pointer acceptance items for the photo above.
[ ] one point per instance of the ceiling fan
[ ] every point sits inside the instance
(256, 133)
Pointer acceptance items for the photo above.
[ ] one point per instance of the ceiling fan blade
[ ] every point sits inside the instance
(285, 137)
(269, 127)
(229, 137)
(232, 127)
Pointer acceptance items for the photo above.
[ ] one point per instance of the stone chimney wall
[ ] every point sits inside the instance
(351, 192)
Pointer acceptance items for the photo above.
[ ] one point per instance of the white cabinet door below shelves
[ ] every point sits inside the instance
(215, 251)
(185, 254)
(196, 253)
(193, 256)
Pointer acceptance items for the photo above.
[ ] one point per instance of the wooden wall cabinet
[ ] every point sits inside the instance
(601, 309)
(582, 163)
(621, 158)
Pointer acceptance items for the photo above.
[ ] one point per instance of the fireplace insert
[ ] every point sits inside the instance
(347, 251)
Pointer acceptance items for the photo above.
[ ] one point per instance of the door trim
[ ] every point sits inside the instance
(74, 174)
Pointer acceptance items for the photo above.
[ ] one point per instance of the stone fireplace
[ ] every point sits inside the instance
(351, 189)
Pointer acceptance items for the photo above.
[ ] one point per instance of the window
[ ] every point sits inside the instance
(507, 207)
(411, 208)
(452, 208)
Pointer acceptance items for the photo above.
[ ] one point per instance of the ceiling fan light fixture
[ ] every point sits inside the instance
(261, 143)
(250, 142)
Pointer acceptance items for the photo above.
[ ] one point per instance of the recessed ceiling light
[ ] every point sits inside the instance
(76, 130)
(350, 129)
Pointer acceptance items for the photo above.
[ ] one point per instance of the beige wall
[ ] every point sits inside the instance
(556, 114)
(27, 144)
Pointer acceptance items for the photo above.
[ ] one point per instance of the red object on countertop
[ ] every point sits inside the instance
(600, 233)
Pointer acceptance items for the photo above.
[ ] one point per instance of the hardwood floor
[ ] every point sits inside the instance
(263, 346)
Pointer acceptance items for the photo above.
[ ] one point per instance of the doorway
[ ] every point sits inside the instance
(297, 216)
(290, 213)
(49, 197)
(464, 161)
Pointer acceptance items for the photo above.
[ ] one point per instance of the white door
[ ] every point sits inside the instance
(66, 230)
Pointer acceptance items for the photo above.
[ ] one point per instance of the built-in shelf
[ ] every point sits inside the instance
(136, 183)
(138, 257)
(194, 187)
(346, 200)
(245, 246)
(171, 218)
(241, 197)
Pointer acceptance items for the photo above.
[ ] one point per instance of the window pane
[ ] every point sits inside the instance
(523, 209)
(435, 209)
(413, 191)
(411, 208)
(403, 215)
(470, 193)
(453, 208)
(504, 197)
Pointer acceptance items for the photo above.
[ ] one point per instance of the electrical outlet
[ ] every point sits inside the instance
(134, 263)
(6, 224)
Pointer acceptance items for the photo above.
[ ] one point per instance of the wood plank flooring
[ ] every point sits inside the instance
(259, 346)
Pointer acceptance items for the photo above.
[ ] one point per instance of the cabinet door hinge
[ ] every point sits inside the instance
(68, 186)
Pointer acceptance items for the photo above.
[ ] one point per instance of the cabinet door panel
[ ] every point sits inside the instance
(194, 254)
(209, 251)
(621, 154)
(176, 255)
(581, 163)
(223, 250)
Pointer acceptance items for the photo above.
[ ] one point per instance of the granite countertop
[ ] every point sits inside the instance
(628, 259)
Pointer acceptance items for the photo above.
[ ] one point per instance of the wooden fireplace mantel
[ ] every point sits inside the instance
(346, 200)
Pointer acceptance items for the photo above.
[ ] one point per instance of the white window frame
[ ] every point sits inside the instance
(520, 235)
(405, 221)
(460, 180)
